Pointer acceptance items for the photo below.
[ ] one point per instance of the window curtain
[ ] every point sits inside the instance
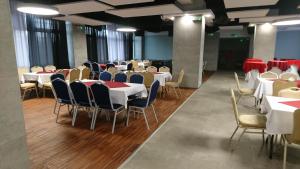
(115, 43)
(47, 42)
(20, 36)
(97, 44)
(128, 46)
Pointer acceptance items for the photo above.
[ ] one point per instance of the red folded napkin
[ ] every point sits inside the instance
(295, 104)
(89, 83)
(111, 84)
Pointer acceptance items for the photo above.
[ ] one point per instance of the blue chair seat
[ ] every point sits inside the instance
(138, 102)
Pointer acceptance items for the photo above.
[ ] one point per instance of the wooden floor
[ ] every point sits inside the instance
(58, 145)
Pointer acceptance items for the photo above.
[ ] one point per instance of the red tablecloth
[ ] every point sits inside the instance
(295, 104)
(251, 65)
(109, 84)
(103, 66)
(253, 60)
(294, 62)
(282, 65)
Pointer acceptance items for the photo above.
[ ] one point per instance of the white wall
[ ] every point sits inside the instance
(211, 51)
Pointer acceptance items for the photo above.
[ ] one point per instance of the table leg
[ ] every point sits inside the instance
(271, 146)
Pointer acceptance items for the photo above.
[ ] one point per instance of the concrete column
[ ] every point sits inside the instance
(211, 51)
(264, 42)
(188, 48)
(13, 147)
(80, 46)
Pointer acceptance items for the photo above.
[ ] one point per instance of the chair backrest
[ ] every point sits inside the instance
(112, 70)
(81, 94)
(296, 129)
(276, 70)
(57, 76)
(95, 67)
(129, 66)
(120, 77)
(116, 63)
(288, 76)
(234, 105)
(101, 96)
(293, 92)
(49, 68)
(148, 78)
(153, 92)
(74, 74)
(87, 64)
(282, 84)
(123, 63)
(180, 76)
(136, 78)
(164, 69)
(237, 81)
(109, 65)
(135, 64)
(269, 75)
(85, 73)
(151, 69)
(81, 67)
(61, 91)
(36, 69)
(21, 71)
(139, 69)
(105, 76)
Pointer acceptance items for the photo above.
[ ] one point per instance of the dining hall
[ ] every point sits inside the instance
(144, 84)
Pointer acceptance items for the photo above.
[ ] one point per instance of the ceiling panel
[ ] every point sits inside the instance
(81, 20)
(146, 11)
(267, 19)
(248, 3)
(82, 7)
(125, 2)
(248, 13)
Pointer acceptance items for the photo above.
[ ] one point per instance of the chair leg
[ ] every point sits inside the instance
(58, 112)
(236, 129)
(94, 118)
(263, 136)
(284, 154)
(238, 100)
(74, 116)
(114, 123)
(54, 107)
(242, 134)
(24, 93)
(36, 92)
(179, 91)
(146, 120)
(175, 92)
(44, 91)
(154, 113)
(128, 115)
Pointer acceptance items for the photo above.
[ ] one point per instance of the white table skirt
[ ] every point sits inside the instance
(251, 77)
(263, 87)
(120, 95)
(162, 77)
(279, 116)
(41, 78)
(121, 67)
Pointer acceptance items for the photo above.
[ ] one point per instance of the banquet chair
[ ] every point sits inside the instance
(135, 64)
(176, 84)
(151, 69)
(112, 71)
(136, 78)
(116, 63)
(276, 70)
(293, 138)
(247, 121)
(293, 92)
(123, 63)
(85, 73)
(148, 79)
(87, 64)
(36, 69)
(120, 77)
(164, 69)
(21, 71)
(49, 68)
(243, 91)
(139, 69)
(103, 101)
(28, 87)
(105, 76)
(74, 75)
(48, 85)
(95, 70)
(81, 67)
(109, 65)
(129, 67)
(142, 103)
(62, 95)
(288, 76)
(279, 85)
(82, 99)
(269, 75)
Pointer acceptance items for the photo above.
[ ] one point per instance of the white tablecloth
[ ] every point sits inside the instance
(41, 78)
(162, 77)
(121, 67)
(251, 77)
(263, 87)
(120, 95)
(279, 116)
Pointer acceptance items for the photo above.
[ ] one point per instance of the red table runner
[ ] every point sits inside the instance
(253, 60)
(295, 104)
(294, 62)
(109, 84)
(251, 65)
(282, 65)
(103, 66)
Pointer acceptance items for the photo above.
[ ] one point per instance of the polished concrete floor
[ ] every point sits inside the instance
(197, 136)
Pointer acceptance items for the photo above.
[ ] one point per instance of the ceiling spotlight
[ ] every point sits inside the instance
(208, 15)
(37, 9)
(293, 21)
(251, 25)
(126, 29)
(172, 18)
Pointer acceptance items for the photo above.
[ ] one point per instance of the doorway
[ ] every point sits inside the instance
(233, 52)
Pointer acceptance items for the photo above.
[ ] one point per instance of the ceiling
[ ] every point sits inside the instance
(146, 14)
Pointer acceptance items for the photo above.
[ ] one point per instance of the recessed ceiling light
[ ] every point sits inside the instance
(208, 15)
(294, 21)
(251, 25)
(37, 9)
(126, 29)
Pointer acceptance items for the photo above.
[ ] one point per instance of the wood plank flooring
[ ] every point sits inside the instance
(61, 146)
